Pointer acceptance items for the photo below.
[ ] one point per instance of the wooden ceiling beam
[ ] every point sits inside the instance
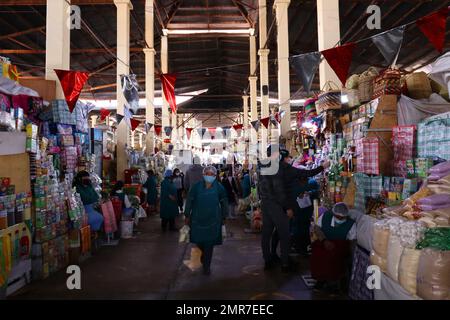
(244, 13)
(211, 8)
(21, 33)
(173, 11)
(44, 2)
(72, 51)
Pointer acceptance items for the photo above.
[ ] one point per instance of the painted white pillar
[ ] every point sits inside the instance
(123, 67)
(149, 76)
(57, 42)
(165, 69)
(253, 88)
(263, 69)
(284, 91)
(245, 111)
(329, 34)
(141, 139)
(94, 121)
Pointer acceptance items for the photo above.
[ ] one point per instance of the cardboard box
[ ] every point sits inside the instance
(45, 88)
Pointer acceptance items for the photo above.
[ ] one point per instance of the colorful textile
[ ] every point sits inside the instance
(358, 289)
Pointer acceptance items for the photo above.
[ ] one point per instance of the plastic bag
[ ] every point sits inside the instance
(433, 275)
(432, 206)
(184, 234)
(407, 269)
(380, 238)
(410, 233)
(395, 250)
(304, 201)
(375, 259)
(440, 168)
(224, 231)
(437, 199)
(437, 238)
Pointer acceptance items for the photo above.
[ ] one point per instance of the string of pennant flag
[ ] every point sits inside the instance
(389, 44)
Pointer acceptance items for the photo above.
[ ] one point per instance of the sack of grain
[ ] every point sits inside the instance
(375, 259)
(407, 269)
(380, 241)
(395, 250)
(433, 275)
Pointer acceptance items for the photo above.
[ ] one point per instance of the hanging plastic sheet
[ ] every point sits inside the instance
(130, 89)
(411, 112)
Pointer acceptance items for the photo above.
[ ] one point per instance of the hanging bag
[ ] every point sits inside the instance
(418, 85)
(330, 98)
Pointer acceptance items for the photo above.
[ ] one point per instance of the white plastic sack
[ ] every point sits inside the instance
(407, 270)
(411, 112)
(440, 70)
(184, 234)
(224, 231)
(304, 201)
(395, 250)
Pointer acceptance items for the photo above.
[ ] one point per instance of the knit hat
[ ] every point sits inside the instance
(340, 209)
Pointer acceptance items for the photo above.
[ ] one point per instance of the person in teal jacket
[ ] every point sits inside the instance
(206, 208)
(169, 207)
(90, 199)
(152, 192)
(245, 184)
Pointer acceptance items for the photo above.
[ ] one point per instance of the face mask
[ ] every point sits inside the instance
(86, 182)
(340, 221)
(209, 179)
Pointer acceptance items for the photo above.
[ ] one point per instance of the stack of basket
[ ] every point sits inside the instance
(329, 99)
(418, 85)
(365, 84)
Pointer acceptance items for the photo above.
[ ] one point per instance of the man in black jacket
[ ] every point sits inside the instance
(277, 205)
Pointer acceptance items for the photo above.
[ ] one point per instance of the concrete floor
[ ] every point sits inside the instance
(150, 266)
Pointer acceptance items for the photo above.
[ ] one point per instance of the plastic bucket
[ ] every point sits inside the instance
(126, 229)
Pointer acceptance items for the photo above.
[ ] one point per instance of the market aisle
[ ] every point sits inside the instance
(150, 266)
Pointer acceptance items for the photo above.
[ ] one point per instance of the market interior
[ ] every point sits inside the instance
(101, 100)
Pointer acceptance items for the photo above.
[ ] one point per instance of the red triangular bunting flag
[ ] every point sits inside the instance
(265, 122)
(134, 124)
(158, 130)
(72, 82)
(212, 132)
(433, 27)
(188, 132)
(168, 84)
(238, 126)
(339, 59)
(104, 113)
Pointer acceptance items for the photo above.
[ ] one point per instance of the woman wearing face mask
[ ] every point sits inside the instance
(206, 208)
(90, 198)
(169, 208)
(331, 252)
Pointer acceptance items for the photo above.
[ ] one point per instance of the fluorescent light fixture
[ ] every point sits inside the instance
(112, 104)
(250, 31)
(344, 98)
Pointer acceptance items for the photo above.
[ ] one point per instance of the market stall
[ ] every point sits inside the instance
(386, 134)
